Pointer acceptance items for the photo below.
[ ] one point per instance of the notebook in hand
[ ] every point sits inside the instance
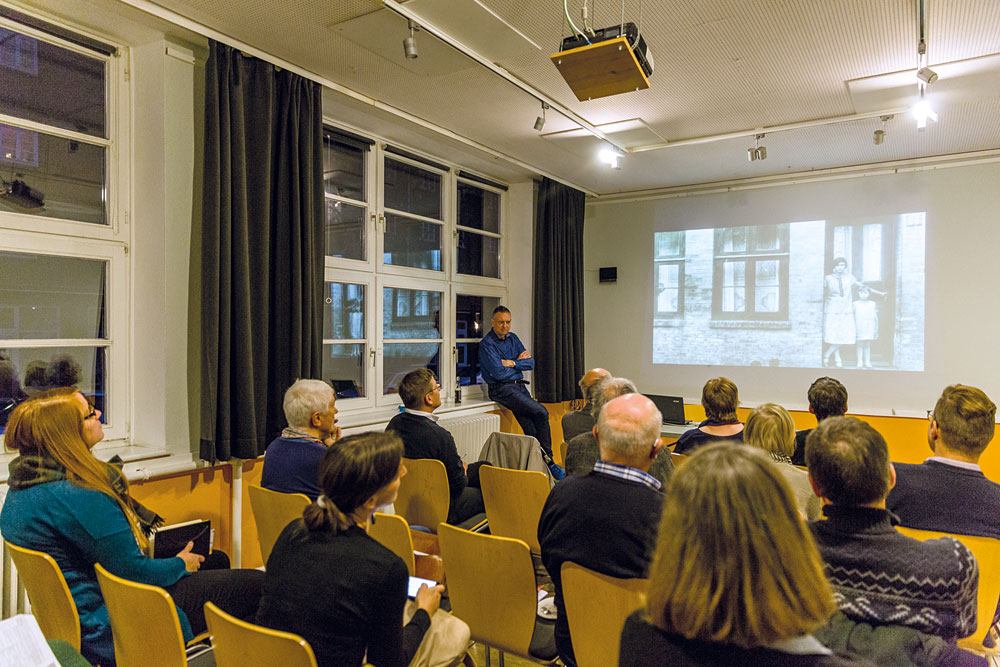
(168, 541)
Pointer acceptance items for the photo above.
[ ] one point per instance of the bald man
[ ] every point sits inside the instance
(606, 520)
(582, 421)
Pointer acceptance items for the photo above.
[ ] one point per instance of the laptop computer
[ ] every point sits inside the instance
(671, 407)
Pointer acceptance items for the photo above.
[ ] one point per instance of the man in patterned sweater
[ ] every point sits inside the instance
(880, 576)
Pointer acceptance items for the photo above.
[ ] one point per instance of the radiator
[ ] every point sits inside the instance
(470, 433)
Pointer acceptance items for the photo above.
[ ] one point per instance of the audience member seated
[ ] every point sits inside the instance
(732, 582)
(881, 577)
(582, 451)
(423, 438)
(770, 427)
(720, 399)
(582, 421)
(948, 492)
(292, 460)
(827, 398)
(606, 521)
(342, 591)
(76, 508)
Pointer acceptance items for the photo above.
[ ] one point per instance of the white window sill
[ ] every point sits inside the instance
(357, 421)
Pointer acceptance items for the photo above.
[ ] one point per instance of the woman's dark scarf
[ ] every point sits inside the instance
(30, 470)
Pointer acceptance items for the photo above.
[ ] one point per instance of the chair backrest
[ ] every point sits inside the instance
(241, 644)
(514, 501)
(678, 459)
(563, 446)
(424, 498)
(596, 607)
(491, 583)
(272, 511)
(987, 553)
(51, 602)
(393, 533)
(144, 623)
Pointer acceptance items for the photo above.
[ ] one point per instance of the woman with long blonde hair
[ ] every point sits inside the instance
(76, 508)
(736, 578)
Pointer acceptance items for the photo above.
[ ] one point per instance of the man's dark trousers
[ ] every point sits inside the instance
(530, 414)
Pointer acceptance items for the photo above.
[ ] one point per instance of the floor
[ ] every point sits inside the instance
(478, 652)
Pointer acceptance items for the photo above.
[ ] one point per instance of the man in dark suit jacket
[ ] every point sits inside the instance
(827, 398)
(423, 438)
(948, 492)
(582, 421)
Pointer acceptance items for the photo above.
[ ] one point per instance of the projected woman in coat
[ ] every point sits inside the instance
(838, 311)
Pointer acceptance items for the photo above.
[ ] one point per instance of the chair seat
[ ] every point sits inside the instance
(543, 640)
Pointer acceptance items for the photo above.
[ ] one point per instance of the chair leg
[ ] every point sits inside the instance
(501, 657)
(487, 648)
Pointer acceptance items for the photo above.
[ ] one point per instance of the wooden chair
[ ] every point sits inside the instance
(51, 602)
(678, 459)
(514, 501)
(987, 553)
(144, 623)
(273, 511)
(241, 644)
(424, 498)
(596, 607)
(394, 534)
(491, 583)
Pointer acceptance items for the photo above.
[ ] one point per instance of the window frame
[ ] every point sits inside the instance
(750, 257)
(44, 235)
(474, 391)
(678, 260)
(346, 276)
(466, 278)
(370, 207)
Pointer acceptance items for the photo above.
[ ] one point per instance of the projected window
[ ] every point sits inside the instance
(669, 264)
(750, 277)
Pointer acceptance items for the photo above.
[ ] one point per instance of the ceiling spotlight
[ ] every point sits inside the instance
(758, 152)
(927, 75)
(540, 121)
(611, 157)
(410, 44)
(878, 137)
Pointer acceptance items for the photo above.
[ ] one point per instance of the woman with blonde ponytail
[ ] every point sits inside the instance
(76, 508)
(342, 591)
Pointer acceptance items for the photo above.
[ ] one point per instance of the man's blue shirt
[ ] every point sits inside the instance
(492, 351)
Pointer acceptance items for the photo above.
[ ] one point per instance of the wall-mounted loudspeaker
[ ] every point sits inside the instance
(608, 274)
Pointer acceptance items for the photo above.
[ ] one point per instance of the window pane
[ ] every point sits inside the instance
(52, 85)
(478, 255)
(412, 243)
(401, 358)
(478, 208)
(344, 311)
(842, 244)
(410, 313)
(669, 244)
(344, 368)
(734, 239)
(733, 287)
(467, 368)
(669, 281)
(345, 230)
(343, 170)
(766, 295)
(51, 176)
(767, 238)
(43, 296)
(872, 237)
(411, 189)
(27, 372)
(473, 315)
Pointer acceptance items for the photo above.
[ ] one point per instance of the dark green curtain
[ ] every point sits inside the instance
(262, 249)
(558, 304)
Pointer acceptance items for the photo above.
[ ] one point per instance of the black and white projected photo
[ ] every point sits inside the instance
(822, 293)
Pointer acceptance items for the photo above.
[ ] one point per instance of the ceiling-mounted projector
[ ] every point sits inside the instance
(610, 61)
(630, 32)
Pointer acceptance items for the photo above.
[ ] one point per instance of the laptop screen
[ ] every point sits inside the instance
(671, 407)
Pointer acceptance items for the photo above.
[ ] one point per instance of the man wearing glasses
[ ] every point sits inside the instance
(423, 438)
(948, 492)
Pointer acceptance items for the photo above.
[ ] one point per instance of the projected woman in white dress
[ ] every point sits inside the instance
(838, 311)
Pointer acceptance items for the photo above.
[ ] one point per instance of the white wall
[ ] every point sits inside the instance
(962, 278)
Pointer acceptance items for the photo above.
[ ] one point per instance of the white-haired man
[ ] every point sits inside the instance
(291, 462)
(606, 520)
